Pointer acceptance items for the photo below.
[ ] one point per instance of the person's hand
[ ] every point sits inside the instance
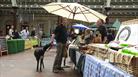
(105, 40)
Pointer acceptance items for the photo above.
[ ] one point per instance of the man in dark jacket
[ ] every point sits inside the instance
(102, 30)
(15, 34)
(61, 39)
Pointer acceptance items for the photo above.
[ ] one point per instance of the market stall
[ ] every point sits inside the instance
(28, 44)
(95, 67)
(18, 45)
(34, 41)
(127, 63)
(15, 45)
(116, 59)
(45, 41)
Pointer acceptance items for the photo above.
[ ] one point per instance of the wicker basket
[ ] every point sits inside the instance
(98, 51)
(132, 68)
(125, 62)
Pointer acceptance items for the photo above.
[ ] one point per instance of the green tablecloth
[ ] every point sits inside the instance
(12, 46)
(15, 45)
(20, 45)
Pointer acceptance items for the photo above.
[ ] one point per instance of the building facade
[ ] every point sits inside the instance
(29, 13)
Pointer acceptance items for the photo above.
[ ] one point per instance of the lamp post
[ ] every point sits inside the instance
(14, 7)
(58, 0)
(107, 8)
(15, 17)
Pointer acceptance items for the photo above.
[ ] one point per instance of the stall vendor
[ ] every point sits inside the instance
(102, 30)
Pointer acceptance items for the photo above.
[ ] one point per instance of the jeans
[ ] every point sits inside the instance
(59, 55)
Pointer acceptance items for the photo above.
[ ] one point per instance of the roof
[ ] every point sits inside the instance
(134, 21)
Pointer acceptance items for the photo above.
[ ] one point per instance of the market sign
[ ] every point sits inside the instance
(128, 33)
(124, 34)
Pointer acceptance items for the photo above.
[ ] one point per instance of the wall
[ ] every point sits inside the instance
(47, 23)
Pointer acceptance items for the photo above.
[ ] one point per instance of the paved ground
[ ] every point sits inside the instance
(24, 65)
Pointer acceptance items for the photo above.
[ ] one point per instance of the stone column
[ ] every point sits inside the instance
(58, 0)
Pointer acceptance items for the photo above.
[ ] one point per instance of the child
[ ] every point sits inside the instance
(65, 55)
(97, 38)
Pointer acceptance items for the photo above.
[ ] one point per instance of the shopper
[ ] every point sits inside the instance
(7, 30)
(11, 31)
(33, 32)
(61, 39)
(72, 34)
(41, 34)
(16, 34)
(110, 36)
(52, 38)
(25, 33)
(102, 30)
(87, 36)
(80, 39)
(97, 38)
